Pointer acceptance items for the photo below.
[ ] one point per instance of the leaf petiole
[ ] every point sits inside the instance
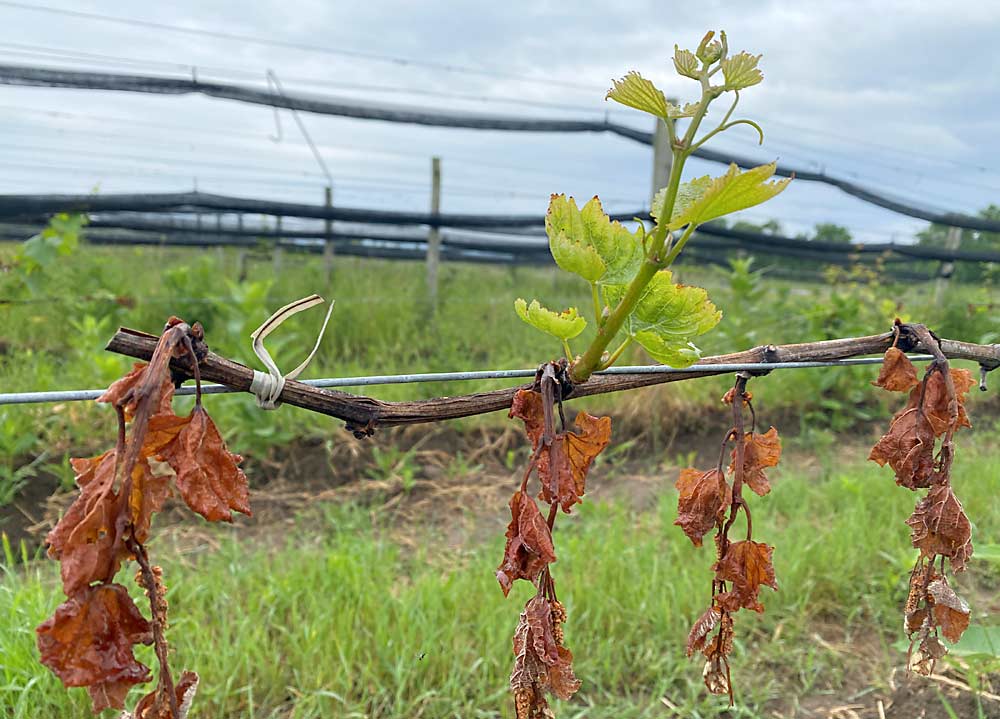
(616, 354)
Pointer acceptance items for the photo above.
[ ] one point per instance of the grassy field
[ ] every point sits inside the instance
(340, 611)
(333, 617)
(55, 322)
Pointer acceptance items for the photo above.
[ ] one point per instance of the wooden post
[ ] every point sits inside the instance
(241, 257)
(328, 230)
(662, 159)
(434, 236)
(276, 255)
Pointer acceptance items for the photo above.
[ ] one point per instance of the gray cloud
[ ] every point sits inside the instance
(901, 96)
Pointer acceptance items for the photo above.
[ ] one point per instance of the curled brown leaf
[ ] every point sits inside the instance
(760, 451)
(702, 502)
(747, 565)
(897, 373)
(939, 526)
(951, 612)
(529, 543)
(702, 629)
(208, 476)
(88, 642)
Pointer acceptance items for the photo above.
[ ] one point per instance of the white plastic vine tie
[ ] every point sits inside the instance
(267, 386)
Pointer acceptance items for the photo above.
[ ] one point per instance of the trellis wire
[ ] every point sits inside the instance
(90, 394)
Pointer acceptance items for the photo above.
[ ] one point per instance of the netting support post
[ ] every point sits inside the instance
(328, 236)
(434, 234)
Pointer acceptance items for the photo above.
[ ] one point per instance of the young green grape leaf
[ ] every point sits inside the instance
(686, 63)
(702, 503)
(587, 243)
(88, 642)
(208, 476)
(667, 317)
(529, 543)
(729, 193)
(711, 50)
(939, 526)
(897, 373)
(687, 193)
(741, 71)
(636, 91)
(760, 451)
(563, 325)
(748, 566)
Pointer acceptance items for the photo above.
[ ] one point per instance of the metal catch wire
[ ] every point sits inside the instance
(91, 394)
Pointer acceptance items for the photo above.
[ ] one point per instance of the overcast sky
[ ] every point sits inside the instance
(903, 98)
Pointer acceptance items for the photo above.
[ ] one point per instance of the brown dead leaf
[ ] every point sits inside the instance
(563, 467)
(939, 525)
(87, 541)
(936, 400)
(951, 612)
(527, 407)
(88, 642)
(747, 565)
(702, 502)
(908, 448)
(760, 451)
(529, 543)
(897, 373)
(702, 629)
(539, 662)
(157, 706)
(129, 389)
(208, 476)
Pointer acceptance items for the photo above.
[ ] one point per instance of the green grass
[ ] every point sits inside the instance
(336, 620)
(55, 323)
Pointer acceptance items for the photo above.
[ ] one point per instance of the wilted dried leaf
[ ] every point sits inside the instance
(908, 447)
(529, 543)
(936, 400)
(128, 390)
(760, 452)
(922, 661)
(897, 374)
(702, 502)
(951, 612)
(939, 525)
(701, 629)
(748, 566)
(527, 407)
(716, 675)
(88, 642)
(562, 680)
(539, 662)
(565, 464)
(914, 611)
(208, 478)
(538, 613)
(87, 540)
(157, 706)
